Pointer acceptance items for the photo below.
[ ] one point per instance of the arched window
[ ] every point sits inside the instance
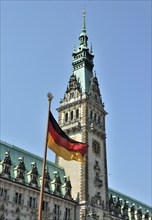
(66, 117)
(72, 115)
(77, 113)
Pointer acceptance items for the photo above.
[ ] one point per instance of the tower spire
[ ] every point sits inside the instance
(83, 35)
(83, 30)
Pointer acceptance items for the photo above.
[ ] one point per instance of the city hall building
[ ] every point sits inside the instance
(72, 190)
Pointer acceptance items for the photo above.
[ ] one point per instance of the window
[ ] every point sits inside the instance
(66, 117)
(18, 198)
(3, 193)
(95, 116)
(91, 114)
(56, 212)
(99, 119)
(77, 113)
(45, 206)
(67, 214)
(71, 115)
(32, 202)
(71, 95)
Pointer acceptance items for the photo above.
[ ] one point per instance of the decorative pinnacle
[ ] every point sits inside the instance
(75, 48)
(50, 96)
(91, 50)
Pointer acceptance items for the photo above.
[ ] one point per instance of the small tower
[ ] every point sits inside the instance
(82, 117)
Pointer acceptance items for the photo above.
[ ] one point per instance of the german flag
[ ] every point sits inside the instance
(63, 145)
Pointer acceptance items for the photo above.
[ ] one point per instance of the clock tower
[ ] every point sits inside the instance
(82, 117)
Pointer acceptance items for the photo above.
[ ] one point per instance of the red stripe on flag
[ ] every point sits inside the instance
(62, 141)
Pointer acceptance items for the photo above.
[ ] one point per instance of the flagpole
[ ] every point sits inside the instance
(50, 97)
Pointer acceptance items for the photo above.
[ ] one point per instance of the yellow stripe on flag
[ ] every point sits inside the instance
(63, 152)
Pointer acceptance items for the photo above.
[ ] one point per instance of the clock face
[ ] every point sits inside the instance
(96, 147)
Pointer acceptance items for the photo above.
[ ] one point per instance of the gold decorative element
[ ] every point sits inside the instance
(50, 96)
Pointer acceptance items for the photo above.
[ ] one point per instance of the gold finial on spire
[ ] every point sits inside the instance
(50, 96)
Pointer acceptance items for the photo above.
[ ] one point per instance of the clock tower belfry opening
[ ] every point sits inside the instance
(82, 117)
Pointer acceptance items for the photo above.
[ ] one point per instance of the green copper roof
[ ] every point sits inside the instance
(115, 194)
(83, 60)
(16, 152)
(84, 77)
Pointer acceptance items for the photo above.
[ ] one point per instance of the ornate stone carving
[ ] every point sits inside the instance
(6, 165)
(57, 183)
(147, 215)
(125, 210)
(97, 181)
(47, 179)
(96, 200)
(67, 186)
(118, 207)
(132, 210)
(34, 174)
(20, 170)
(73, 90)
(111, 204)
(92, 214)
(73, 84)
(139, 213)
(94, 90)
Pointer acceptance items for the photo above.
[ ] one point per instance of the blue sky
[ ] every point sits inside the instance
(37, 40)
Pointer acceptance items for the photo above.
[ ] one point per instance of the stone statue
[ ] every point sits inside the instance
(125, 210)
(34, 174)
(57, 183)
(6, 164)
(132, 210)
(20, 168)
